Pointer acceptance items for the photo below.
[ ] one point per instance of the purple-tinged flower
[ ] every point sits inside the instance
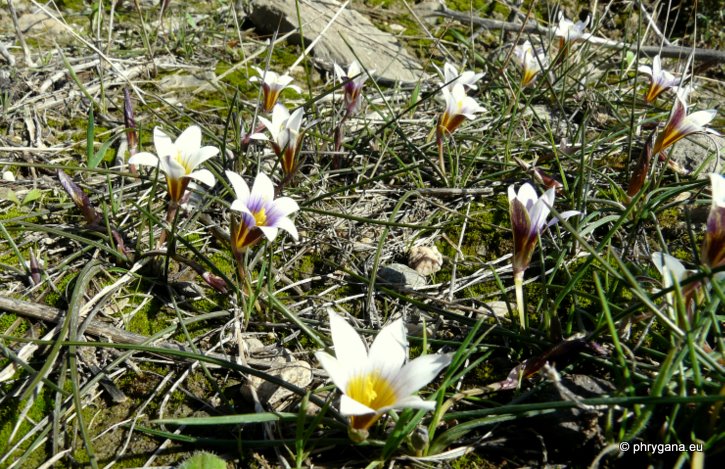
(178, 160)
(353, 81)
(680, 125)
(569, 32)
(130, 123)
(713, 246)
(286, 136)
(530, 60)
(272, 85)
(261, 214)
(528, 214)
(377, 380)
(459, 106)
(660, 80)
(467, 78)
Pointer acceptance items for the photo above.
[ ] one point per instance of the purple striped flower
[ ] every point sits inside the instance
(713, 246)
(261, 214)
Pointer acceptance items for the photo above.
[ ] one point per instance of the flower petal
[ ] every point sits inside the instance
(285, 206)
(389, 350)
(201, 155)
(270, 232)
(288, 225)
(419, 372)
(162, 142)
(144, 159)
(717, 182)
(205, 176)
(190, 140)
(240, 186)
(263, 187)
(701, 118)
(173, 169)
(410, 402)
(339, 372)
(349, 347)
(349, 406)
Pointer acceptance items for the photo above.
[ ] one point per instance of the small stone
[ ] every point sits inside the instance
(401, 276)
(425, 260)
(295, 372)
(697, 152)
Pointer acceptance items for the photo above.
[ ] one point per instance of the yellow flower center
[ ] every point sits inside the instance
(371, 390)
(260, 218)
(180, 159)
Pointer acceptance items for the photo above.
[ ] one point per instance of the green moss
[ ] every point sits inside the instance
(9, 414)
(59, 297)
(17, 214)
(148, 320)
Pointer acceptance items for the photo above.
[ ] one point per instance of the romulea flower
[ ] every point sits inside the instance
(353, 80)
(261, 213)
(673, 272)
(377, 380)
(713, 246)
(286, 136)
(660, 80)
(528, 214)
(568, 32)
(459, 106)
(531, 60)
(178, 160)
(272, 85)
(452, 78)
(680, 125)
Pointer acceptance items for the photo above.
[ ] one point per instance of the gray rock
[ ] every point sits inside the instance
(351, 31)
(698, 152)
(401, 276)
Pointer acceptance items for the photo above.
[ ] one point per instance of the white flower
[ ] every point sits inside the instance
(286, 135)
(261, 214)
(353, 81)
(458, 106)
(452, 78)
(674, 273)
(179, 159)
(272, 85)
(680, 125)
(567, 31)
(530, 60)
(661, 80)
(375, 381)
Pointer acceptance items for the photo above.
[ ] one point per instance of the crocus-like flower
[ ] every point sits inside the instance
(286, 136)
(467, 78)
(353, 81)
(261, 214)
(272, 85)
(459, 106)
(713, 246)
(673, 272)
(179, 159)
(661, 80)
(530, 60)
(680, 125)
(568, 32)
(528, 219)
(375, 381)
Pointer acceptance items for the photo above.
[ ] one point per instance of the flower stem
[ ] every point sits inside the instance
(519, 285)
